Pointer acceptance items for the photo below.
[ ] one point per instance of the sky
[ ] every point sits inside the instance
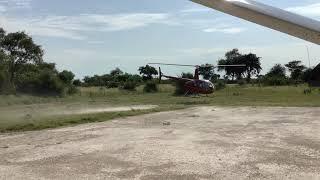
(94, 37)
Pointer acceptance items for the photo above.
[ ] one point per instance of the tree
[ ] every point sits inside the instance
(307, 74)
(147, 72)
(231, 58)
(66, 77)
(187, 75)
(207, 71)
(215, 78)
(116, 72)
(296, 69)
(20, 49)
(253, 65)
(77, 82)
(276, 76)
(277, 71)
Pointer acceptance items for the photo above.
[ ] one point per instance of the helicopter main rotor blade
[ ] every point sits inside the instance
(268, 16)
(173, 64)
(236, 65)
(197, 66)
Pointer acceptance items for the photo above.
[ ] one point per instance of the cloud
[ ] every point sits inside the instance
(73, 27)
(2, 9)
(226, 30)
(195, 10)
(16, 4)
(96, 42)
(32, 26)
(312, 10)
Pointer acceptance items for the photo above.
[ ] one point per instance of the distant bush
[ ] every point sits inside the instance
(275, 81)
(242, 82)
(112, 84)
(72, 90)
(50, 83)
(129, 85)
(77, 82)
(220, 85)
(180, 89)
(150, 87)
(66, 77)
(307, 91)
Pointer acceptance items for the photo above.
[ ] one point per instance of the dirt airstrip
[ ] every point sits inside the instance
(197, 143)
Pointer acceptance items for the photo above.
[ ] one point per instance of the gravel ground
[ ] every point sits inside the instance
(196, 143)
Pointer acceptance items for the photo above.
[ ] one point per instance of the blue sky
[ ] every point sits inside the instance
(93, 37)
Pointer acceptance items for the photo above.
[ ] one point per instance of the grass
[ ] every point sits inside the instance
(231, 96)
(59, 121)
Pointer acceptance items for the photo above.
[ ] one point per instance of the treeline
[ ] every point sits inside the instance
(119, 79)
(22, 68)
(251, 69)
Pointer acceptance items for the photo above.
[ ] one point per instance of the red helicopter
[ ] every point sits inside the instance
(195, 85)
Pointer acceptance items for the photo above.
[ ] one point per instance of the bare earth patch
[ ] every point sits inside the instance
(198, 143)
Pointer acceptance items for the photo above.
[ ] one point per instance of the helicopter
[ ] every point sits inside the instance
(196, 85)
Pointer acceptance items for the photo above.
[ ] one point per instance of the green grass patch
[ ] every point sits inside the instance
(32, 124)
(234, 95)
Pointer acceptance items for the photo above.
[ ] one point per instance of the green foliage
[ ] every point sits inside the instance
(207, 71)
(276, 76)
(129, 85)
(151, 87)
(297, 70)
(307, 91)
(251, 61)
(215, 78)
(242, 82)
(22, 68)
(147, 72)
(77, 83)
(116, 72)
(187, 75)
(72, 89)
(180, 89)
(21, 50)
(66, 77)
(277, 71)
(220, 85)
(275, 81)
(115, 79)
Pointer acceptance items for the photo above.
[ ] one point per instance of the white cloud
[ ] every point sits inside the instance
(2, 9)
(16, 4)
(312, 10)
(33, 27)
(96, 42)
(195, 10)
(72, 27)
(226, 30)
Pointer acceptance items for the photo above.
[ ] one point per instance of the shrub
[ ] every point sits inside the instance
(307, 91)
(49, 82)
(220, 85)
(112, 84)
(129, 85)
(66, 76)
(77, 82)
(275, 81)
(242, 82)
(150, 87)
(72, 90)
(180, 90)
